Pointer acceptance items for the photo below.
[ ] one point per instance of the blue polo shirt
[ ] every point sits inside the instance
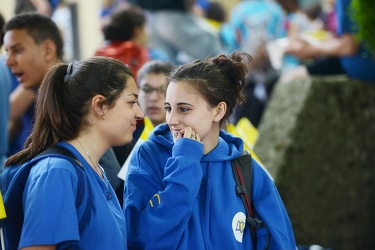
(51, 216)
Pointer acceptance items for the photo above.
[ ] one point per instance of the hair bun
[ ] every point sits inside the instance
(234, 67)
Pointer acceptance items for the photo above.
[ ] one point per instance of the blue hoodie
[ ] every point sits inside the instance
(177, 198)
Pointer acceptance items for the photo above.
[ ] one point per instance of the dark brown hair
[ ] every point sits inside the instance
(217, 79)
(123, 23)
(63, 101)
(154, 67)
(39, 27)
(2, 22)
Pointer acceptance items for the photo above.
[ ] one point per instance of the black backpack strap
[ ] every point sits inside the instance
(57, 150)
(242, 171)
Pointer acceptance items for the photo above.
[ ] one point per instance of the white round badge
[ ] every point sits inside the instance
(238, 225)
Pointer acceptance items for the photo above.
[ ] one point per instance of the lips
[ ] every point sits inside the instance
(175, 132)
(134, 126)
(18, 76)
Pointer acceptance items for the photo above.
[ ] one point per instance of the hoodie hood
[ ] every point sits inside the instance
(228, 148)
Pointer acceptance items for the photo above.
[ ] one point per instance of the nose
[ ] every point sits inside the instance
(154, 95)
(172, 118)
(9, 60)
(139, 113)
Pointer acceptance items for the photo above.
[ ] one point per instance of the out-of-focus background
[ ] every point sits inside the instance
(88, 13)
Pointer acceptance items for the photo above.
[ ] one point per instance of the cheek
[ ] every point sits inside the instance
(128, 116)
(122, 117)
(202, 122)
(196, 123)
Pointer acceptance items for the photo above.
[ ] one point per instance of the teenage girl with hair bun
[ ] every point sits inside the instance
(180, 188)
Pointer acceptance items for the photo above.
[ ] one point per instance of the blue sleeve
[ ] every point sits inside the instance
(271, 210)
(49, 205)
(54, 4)
(344, 22)
(160, 191)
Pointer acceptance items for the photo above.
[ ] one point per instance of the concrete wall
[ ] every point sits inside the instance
(317, 139)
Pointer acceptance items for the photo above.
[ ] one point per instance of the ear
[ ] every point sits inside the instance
(220, 111)
(98, 105)
(50, 50)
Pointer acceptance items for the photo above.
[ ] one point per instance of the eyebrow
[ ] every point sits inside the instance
(180, 103)
(134, 94)
(149, 84)
(14, 46)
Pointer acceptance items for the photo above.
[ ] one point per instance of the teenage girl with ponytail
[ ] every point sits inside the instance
(86, 108)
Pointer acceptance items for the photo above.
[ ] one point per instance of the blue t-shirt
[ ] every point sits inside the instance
(51, 216)
(362, 64)
(257, 21)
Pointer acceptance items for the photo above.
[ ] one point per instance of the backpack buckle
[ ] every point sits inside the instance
(254, 222)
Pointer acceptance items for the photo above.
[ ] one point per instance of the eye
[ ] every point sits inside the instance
(17, 50)
(133, 103)
(184, 110)
(167, 108)
(146, 88)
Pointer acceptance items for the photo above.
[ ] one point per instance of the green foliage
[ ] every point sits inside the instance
(363, 14)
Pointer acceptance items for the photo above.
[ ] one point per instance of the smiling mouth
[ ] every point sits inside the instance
(176, 132)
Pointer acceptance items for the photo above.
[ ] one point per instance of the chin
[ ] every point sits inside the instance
(123, 142)
(27, 85)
